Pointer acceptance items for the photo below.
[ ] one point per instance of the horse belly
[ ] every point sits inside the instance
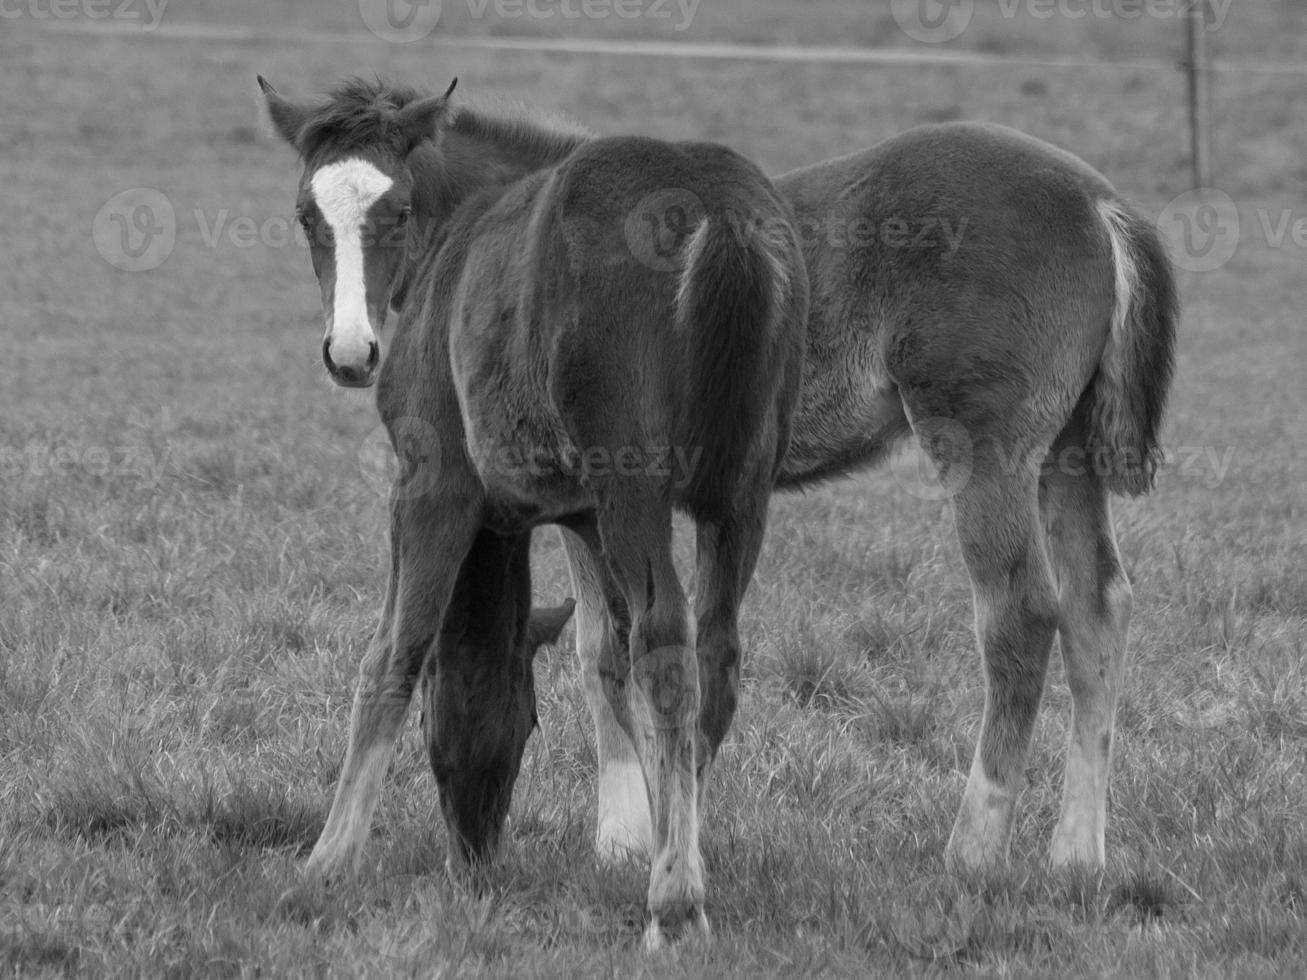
(530, 472)
(849, 413)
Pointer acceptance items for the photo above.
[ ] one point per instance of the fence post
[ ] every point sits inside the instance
(1199, 95)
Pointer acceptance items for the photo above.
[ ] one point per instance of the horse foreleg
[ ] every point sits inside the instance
(428, 539)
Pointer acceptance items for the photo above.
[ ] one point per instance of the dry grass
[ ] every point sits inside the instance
(191, 553)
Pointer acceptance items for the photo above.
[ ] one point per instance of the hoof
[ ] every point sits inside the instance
(331, 861)
(1070, 850)
(667, 930)
(969, 854)
(321, 869)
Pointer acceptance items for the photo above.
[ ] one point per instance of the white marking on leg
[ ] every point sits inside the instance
(340, 848)
(984, 822)
(625, 829)
(344, 192)
(1094, 651)
(1079, 837)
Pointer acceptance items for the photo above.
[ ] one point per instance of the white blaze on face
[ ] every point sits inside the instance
(344, 192)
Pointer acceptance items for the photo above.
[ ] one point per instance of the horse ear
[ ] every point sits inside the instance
(421, 120)
(287, 118)
(546, 625)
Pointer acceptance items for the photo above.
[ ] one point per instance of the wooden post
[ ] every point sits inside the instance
(1199, 95)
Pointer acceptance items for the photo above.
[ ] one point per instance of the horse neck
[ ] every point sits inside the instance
(478, 153)
(479, 150)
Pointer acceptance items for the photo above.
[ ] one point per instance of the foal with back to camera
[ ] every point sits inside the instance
(540, 372)
(995, 297)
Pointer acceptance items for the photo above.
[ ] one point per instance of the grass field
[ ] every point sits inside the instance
(192, 539)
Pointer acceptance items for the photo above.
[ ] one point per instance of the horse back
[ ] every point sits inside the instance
(713, 334)
(588, 314)
(964, 261)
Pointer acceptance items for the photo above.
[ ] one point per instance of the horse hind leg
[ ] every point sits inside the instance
(662, 699)
(1095, 601)
(727, 553)
(997, 517)
(624, 830)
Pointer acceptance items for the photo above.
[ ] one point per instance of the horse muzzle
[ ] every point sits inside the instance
(355, 372)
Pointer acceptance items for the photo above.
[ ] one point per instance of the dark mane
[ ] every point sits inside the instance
(357, 113)
(363, 113)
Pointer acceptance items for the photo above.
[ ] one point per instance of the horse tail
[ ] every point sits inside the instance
(730, 307)
(1127, 394)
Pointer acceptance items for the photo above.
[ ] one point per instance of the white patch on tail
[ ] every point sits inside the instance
(1116, 220)
(689, 262)
(345, 192)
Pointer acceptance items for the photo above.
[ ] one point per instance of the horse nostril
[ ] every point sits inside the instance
(348, 374)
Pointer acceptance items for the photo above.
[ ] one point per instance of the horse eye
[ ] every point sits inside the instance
(403, 217)
(305, 221)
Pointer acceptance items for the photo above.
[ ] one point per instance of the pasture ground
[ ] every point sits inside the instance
(192, 543)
